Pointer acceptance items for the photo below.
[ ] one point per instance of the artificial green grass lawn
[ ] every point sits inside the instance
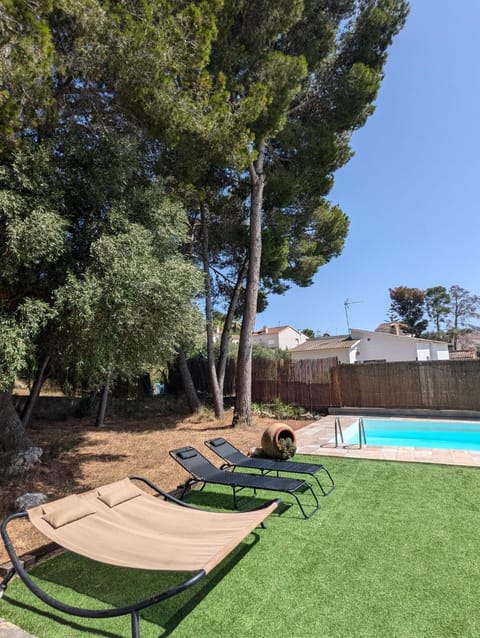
(393, 552)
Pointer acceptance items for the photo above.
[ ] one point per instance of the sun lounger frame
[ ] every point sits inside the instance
(203, 471)
(234, 458)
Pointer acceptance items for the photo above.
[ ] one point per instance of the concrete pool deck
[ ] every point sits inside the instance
(7, 630)
(313, 436)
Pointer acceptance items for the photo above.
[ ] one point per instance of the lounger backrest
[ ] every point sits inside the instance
(226, 450)
(195, 463)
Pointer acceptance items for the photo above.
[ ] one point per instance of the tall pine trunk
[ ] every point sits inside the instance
(217, 395)
(243, 402)
(222, 361)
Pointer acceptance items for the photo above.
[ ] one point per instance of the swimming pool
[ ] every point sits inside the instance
(451, 435)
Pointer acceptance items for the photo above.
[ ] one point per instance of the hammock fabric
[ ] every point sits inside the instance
(144, 531)
(122, 525)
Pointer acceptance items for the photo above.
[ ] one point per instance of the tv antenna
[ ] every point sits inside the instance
(347, 303)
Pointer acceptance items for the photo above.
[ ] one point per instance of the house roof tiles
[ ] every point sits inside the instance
(327, 343)
(275, 330)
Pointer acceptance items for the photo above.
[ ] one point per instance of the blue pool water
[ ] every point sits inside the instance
(453, 435)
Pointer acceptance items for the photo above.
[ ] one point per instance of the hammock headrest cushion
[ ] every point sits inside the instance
(118, 492)
(66, 510)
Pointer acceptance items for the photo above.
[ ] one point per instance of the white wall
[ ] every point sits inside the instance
(380, 346)
(343, 356)
(439, 352)
(423, 352)
(290, 338)
(384, 346)
(285, 340)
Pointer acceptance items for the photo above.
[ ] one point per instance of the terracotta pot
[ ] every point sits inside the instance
(272, 436)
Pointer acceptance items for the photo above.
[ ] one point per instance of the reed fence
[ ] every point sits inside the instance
(316, 385)
(304, 383)
(434, 385)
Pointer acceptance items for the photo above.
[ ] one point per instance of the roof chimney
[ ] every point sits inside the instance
(395, 329)
(265, 329)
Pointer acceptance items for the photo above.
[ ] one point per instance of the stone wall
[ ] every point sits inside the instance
(61, 408)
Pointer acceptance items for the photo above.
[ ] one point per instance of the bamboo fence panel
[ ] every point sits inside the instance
(304, 383)
(319, 384)
(436, 385)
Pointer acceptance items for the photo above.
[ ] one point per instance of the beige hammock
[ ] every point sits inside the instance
(121, 524)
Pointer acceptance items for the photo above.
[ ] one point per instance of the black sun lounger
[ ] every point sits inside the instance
(235, 459)
(203, 471)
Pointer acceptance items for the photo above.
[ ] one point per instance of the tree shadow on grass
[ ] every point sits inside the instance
(103, 457)
(208, 428)
(62, 622)
(83, 581)
(209, 498)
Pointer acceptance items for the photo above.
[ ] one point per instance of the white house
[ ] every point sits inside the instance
(366, 346)
(282, 337)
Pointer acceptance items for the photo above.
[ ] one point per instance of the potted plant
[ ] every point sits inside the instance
(279, 441)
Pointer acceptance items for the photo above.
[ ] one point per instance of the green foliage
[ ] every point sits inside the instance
(320, 67)
(408, 306)
(278, 410)
(26, 55)
(321, 238)
(13, 349)
(93, 242)
(437, 336)
(260, 351)
(128, 310)
(224, 84)
(286, 447)
(31, 223)
(437, 304)
(194, 92)
(453, 308)
(160, 59)
(463, 306)
(17, 333)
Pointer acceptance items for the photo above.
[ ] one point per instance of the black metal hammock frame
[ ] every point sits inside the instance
(132, 609)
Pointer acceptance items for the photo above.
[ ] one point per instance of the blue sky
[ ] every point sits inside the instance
(412, 188)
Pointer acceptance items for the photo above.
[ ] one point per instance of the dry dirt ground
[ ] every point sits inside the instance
(78, 456)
